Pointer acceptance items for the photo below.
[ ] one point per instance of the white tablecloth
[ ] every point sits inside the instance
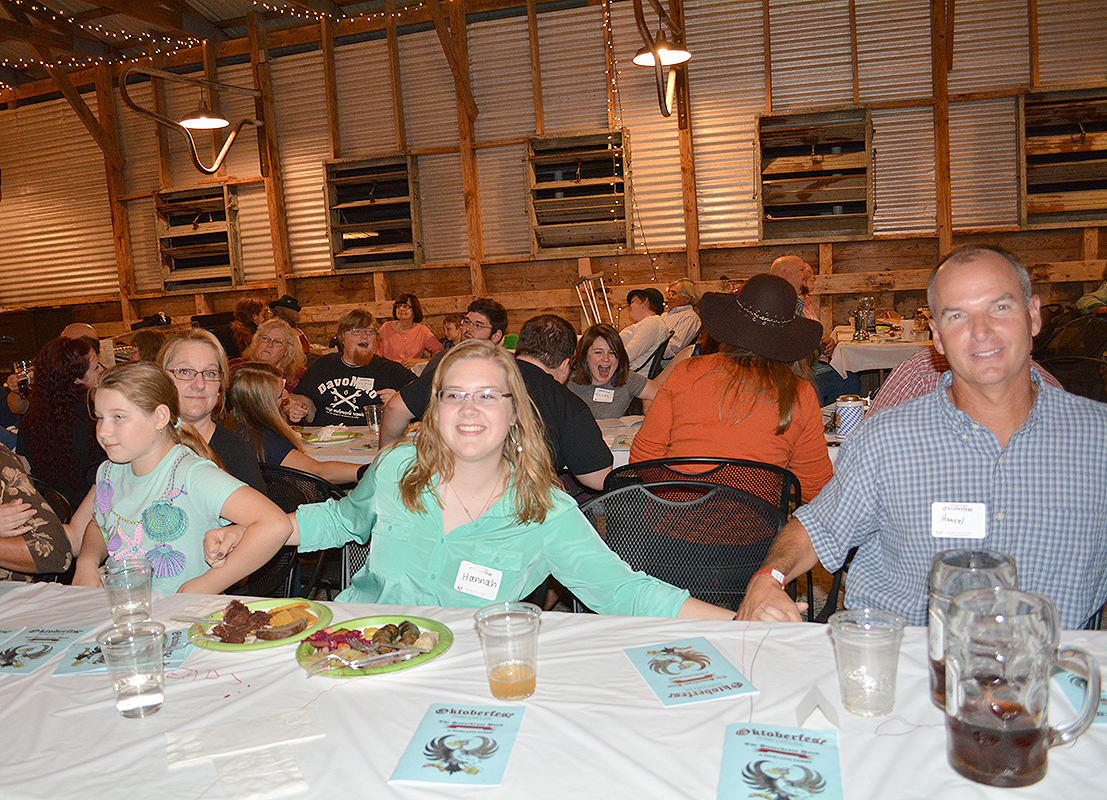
(850, 356)
(593, 728)
(356, 451)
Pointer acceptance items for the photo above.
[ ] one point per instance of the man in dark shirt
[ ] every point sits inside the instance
(545, 349)
(337, 386)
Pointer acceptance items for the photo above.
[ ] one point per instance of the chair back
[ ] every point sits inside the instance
(1074, 355)
(703, 537)
(771, 483)
(653, 363)
(354, 556)
(55, 499)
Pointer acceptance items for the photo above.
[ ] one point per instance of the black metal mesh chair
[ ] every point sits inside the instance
(354, 556)
(1074, 354)
(55, 499)
(703, 537)
(771, 483)
(289, 489)
(653, 367)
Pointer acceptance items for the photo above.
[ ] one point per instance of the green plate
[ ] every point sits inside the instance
(336, 439)
(445, 639)
(196, 636)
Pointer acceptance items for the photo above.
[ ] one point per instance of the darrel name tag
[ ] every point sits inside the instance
(603, 396)
(478, 581)
(958, 520)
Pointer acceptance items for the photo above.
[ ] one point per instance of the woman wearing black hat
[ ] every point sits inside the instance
(753, 399)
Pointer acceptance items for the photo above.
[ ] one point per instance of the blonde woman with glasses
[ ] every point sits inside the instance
(471, 513)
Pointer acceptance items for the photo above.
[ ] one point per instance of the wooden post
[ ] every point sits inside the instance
(157, 91)
(939, 48)
(330, 82)
(466, 138)
(1032, 44)
(765, 32)
(853, 50)
(687, 158)
(826, 302)
(208, 53)
(394, 74)
(536, 67)
(120, 220)
(274, 182)
(609, 66)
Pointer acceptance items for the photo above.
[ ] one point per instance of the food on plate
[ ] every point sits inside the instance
(355, 644)
(241, 624)
(331, 433)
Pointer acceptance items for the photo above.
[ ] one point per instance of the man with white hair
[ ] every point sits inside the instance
(681, 317)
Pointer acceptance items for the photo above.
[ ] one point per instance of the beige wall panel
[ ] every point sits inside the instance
(138, 140)
(893, 49)
(727, 87)
(443, 209)
(499, 58)
(904, 173)
(983, 170)
(574, 92)
(257, 241)
(365, 115)
(1071, 37)
(55, 225)
(144, 244)
(430, 104)
(503, 201)
(990, 46)
(304, 146)
(810, 53)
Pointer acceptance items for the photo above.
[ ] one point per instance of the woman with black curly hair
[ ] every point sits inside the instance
(57, 435)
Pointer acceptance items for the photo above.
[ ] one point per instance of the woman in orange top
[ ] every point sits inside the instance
(753, 398)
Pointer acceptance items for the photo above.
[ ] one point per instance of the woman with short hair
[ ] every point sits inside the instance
(405, 338)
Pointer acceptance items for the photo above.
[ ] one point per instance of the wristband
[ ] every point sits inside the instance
(777, 575)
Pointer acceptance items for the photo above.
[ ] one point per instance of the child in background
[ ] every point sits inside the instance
(451, 330)
(158, 492)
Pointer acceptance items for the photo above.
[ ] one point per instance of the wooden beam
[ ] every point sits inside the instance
(195, 26)
(120, 218)
(913, 280)
(469, 182)
(157, 91)
(330, 83)
(939, 50)
(211, 73)
(609, 68)
(82, 39)
(22, 30)
(107, 143)
(536, 66)
(687, 156)
(1032, 41)
(324, 7)
(853, 51)
(765, 35)
(394, 75)
(1089, 247)
(274, 184)
(459, 64)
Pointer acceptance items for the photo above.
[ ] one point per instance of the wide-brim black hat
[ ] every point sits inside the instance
(762, 319)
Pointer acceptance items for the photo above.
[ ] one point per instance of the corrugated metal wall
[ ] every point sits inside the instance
(302, 133)
(983, 169)
(55, 224)
(41, 222)
(574, 91)
(727, 88)
(804, 74)
(1072, 42)
(366, 118)
(658, 205)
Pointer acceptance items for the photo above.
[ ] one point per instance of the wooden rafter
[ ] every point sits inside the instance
(190, 24)
(459, 66)
(326, 7)
(24, 31)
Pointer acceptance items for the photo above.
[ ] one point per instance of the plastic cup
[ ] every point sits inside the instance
(127, 582)
(373, 416)
(866, 648)
(133, 654)
(509, 638)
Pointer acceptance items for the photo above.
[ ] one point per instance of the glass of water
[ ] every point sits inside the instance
(133, 654)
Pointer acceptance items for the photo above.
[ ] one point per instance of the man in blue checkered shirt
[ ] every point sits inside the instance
(994, 459)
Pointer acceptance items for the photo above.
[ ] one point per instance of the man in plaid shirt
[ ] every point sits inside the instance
(995, 458)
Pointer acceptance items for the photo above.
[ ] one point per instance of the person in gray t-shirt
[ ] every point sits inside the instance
(601, 374)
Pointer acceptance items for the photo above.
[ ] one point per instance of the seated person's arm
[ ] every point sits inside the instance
(793, 554)
(17, 404)
(593, 480)
(267, 529)
(78, 523)
(648, 394)
(32, 539)
(299, 403)
(395, 420)
(93, 552)
(338, 472)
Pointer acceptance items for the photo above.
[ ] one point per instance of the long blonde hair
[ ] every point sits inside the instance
(149, 386)
(525, 449)
(750, 373)
(251, 403)
(293, 359)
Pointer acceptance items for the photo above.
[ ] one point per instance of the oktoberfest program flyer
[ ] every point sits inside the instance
(688, 671)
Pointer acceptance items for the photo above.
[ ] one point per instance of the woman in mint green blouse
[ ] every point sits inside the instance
(471, 513)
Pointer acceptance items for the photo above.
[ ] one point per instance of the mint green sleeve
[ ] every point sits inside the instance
(582, 562)
(333, 523)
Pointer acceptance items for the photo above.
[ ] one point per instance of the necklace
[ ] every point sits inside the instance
(485, 507)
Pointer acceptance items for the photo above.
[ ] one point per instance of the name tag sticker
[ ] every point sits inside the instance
(478, 581)
(603, 396)
(958, 520)
(364, 384)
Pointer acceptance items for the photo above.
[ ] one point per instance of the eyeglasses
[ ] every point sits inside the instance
(365, 331)
(482, 397)
(476, 325)
(186, 374)
(403, 305)
(263, 339)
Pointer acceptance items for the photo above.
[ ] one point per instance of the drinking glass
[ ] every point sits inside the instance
(866, 649)
(127, 583)
(133, 654)
(509, 639)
